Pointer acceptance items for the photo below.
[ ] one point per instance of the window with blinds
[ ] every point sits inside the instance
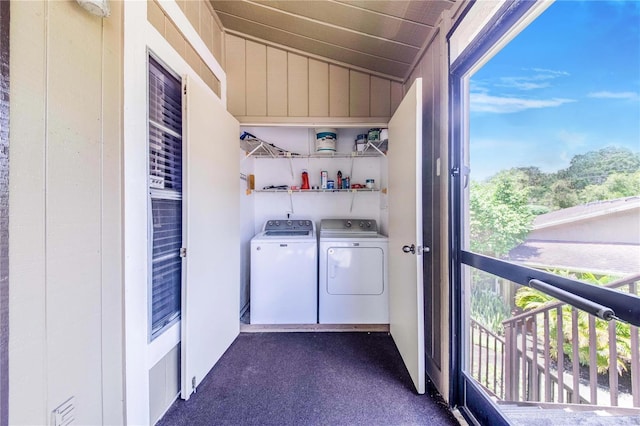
(165, 191)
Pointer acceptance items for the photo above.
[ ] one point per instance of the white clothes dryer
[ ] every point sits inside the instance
(284, 273)
(352, 285)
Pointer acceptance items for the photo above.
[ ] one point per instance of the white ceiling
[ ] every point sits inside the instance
(382, 36)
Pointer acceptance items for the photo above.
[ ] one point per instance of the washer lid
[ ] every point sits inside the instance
(291, 233)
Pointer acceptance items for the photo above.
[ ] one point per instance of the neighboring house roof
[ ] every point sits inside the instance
(585, 211)
(598, 258)
(606, 257)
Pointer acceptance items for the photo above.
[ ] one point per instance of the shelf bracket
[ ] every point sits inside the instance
(369, 144)
(290, 164)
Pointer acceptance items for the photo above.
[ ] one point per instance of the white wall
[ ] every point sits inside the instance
(65, 219)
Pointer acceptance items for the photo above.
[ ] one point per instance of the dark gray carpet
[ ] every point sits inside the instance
(309, 379)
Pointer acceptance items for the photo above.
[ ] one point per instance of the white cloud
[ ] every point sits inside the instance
(522, 83)
(551, 73)
(631, 96)
(540, 80)
(572, 139)
(482, 102)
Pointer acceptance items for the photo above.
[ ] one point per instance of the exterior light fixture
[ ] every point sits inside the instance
(96, 7)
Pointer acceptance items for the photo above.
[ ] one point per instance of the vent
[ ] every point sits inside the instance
(63, 415)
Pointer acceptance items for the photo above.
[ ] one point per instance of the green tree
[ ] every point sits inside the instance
(500, 217)
(593, 168)
(617, 185)
(539, 184)
(563, 194)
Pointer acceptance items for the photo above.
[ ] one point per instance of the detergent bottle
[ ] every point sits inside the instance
(305, 180)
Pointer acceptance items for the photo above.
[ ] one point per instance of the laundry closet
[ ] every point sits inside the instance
(291, 174)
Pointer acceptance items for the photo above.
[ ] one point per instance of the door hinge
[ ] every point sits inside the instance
(193, 384)
(183, 252)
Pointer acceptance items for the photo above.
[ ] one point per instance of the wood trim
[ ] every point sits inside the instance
(314, 121)
(313, 328)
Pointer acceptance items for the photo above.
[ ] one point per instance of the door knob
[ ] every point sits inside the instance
(409, 249)
(413, 249)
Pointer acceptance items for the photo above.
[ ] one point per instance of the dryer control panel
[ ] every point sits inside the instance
(349, 226)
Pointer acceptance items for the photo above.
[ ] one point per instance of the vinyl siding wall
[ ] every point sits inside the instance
(65, 305)
(272, 85)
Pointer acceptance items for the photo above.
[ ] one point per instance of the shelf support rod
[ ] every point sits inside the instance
(353, 197)
(291, 201)
(351, 170)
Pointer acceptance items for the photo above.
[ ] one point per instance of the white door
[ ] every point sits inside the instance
(211, 289)
(406, 303)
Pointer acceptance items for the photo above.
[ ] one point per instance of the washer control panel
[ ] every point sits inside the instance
(288, 225)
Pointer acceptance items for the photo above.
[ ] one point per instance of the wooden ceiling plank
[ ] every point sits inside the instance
(337, 37)
(361, 20)
(422, 12)
(313, 29)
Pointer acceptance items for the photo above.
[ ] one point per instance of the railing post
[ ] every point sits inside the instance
(508, 363)
(546, 338)
(593, 361)
(560, 353)
(575, 364)
(495, 368)
(472, 350)
(486, 359)
(523, 358)
(635, 358)
(613, 364)
(479, 354)
(534, 395)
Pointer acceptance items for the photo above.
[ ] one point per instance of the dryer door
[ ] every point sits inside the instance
(355, 270)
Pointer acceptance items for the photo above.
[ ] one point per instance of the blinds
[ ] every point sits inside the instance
(165, 129)
(165, 183)
(166, 264)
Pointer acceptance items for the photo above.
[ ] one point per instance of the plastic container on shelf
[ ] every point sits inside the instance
(361, 142)
(326, 140)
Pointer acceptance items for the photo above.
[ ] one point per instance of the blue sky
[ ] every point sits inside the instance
(568, 84)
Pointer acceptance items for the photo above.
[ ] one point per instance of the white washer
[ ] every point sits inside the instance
(284, 273)
(352, 284)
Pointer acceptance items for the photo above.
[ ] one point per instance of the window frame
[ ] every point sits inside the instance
(472, 400)
(161, 194)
